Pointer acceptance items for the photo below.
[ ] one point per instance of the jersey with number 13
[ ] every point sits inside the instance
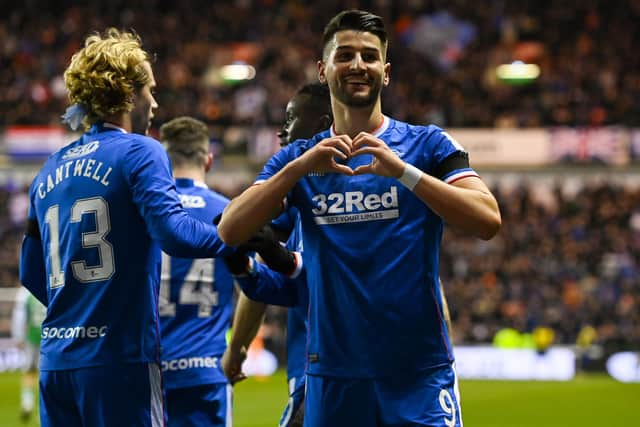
(103, 206)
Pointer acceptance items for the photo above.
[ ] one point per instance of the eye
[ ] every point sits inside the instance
(370, 57)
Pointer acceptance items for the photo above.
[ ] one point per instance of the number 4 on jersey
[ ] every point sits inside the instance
(204, 296)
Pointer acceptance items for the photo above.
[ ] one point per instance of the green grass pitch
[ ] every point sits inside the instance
(584, 402)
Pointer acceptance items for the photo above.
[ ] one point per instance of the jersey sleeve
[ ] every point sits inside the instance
(154, 193)
(285, 221)
(32, 267)
(275, 163)
(270, 287)
(449, 160)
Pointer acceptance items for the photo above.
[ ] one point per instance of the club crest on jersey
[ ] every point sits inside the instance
(81, 150)
(189, 201)
(355, 206)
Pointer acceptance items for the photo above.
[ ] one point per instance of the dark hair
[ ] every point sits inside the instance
(319, 96)
(358, 20)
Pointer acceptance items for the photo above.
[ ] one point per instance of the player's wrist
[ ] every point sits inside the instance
(296, 169)
(410, 176)
(297, 265)
(248, 270)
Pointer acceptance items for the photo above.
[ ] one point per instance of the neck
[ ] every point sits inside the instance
(122, 121)
(351, 121)
(189, 173)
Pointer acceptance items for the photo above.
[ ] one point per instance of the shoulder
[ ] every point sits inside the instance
(299, 146)
(140, 147)
(293, 150)
(212, 198)
(417, 132)
(216, 197)
(431, 136)
(143, 141)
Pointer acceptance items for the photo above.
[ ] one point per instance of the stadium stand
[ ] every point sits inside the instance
(567, 262)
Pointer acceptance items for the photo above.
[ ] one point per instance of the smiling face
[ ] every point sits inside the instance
(144, 104)
(354, 67)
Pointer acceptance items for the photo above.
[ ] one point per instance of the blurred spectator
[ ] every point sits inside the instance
(569, 263)
(565, 264)
(443, 53)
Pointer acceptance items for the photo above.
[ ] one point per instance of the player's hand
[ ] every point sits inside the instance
(231, 363)
(326, 155)
(385, 162)
(237, 262)
(266, 243)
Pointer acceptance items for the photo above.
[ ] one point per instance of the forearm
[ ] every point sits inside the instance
(32, 269)
(270, 287)
(246, 322)
(184, 236)
(467, 205)
(257, 205)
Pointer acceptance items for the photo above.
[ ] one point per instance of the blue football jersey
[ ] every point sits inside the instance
(271, 287)
(286, 221)
(104, 205)
(297, 315)
(195, 302)
(371, 258)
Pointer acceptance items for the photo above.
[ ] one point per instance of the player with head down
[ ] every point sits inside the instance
(373, 194)
(195, 294)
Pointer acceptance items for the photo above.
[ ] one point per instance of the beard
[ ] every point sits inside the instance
(358, 101)
(140, 121)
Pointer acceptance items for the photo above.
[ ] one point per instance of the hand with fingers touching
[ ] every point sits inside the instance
(385, 162)
(326, 154)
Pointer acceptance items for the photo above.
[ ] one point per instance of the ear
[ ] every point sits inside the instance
(208, 163)
(387, 74)
(321, 73)
(324, 122)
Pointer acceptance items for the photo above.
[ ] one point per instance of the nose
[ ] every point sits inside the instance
(357, 63)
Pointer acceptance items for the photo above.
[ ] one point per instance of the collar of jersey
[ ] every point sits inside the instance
(376, 132)
(99, 127)
(187, 182)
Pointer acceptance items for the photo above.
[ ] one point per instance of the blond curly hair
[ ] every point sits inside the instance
(105, 74)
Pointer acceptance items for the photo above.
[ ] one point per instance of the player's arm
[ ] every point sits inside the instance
(178, 233)
(466, 203)
(32, 267)
(262, 284)
(247, 319)
(273, 283)
(19, 316)
(260, 203)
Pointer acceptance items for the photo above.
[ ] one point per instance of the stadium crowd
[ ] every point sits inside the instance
(567, 262)
(444, 54)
